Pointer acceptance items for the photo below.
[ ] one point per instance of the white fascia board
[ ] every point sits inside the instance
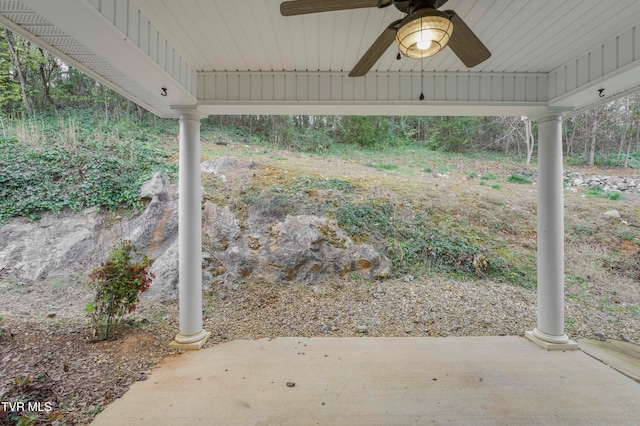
(605, 89)
(373, 108)
(83, 22)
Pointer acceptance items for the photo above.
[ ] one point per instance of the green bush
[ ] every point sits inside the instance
(119, 281)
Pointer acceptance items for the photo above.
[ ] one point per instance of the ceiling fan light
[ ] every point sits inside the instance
(424, 35)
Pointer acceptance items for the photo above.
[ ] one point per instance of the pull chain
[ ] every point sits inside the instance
(422, 79)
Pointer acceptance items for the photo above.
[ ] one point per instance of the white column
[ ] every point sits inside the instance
(549, 332)
(191, 335)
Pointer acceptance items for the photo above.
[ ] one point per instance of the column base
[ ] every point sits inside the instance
(569, 345)
(183, 343)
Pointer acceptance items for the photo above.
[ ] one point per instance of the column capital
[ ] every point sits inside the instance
(550, 114)
(189, 112)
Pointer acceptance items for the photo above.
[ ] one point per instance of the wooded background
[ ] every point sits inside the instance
(35, 83)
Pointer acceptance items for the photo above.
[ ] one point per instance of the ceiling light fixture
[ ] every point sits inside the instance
(425, 34)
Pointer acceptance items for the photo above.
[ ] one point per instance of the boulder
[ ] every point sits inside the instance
(217, 166)
(303, 249)
(615, 214)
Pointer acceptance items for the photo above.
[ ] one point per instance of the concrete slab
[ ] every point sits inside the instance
(623, 356)
(379, 381)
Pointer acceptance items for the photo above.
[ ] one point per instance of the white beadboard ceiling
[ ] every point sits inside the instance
(251, 35)
(242, 56)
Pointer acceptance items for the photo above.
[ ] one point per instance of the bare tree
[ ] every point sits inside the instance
(594, 133)
(8, 35)
(528, 138)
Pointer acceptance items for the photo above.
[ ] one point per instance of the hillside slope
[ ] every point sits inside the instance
(460, 231)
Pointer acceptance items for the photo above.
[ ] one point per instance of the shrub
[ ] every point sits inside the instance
(119, 281)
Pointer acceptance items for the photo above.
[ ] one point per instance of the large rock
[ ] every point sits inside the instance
(59, 244)
(222, 236)
(218, 166)
(311, 249)
(303, 249)
(165, 268)
(156, 228)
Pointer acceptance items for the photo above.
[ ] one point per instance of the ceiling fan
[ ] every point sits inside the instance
(423, 32)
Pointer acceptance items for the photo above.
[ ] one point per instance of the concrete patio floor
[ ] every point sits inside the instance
(379, 381)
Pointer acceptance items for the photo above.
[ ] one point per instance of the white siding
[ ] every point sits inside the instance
(610, 57)
(379, 87)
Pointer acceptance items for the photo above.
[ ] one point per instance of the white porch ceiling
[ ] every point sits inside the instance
(242, 56)
(251, 35)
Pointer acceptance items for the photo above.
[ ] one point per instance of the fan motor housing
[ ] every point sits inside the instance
(410, 6)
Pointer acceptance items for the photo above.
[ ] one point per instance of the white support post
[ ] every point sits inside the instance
(549, 332)
(191, 335)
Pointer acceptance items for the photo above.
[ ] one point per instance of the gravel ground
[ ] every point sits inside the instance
(49, 350)
(410, 306)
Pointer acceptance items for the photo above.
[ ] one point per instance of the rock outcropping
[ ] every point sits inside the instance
(298, 249)
(305, 249)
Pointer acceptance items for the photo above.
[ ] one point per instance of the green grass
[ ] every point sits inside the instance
(308, 183)
(488, 176)
(616, 196)
(382, 166)
(598, 192)
(416, 242)
(518, 179)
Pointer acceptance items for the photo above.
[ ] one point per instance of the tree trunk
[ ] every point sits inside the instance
(592, 148)
(8, 35)
(46, 74)
(571, 138)
(528, 134)
(626, 159)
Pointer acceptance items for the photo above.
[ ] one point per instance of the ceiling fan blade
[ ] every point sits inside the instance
(374, 53)
(303, 7)
(465, 44)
